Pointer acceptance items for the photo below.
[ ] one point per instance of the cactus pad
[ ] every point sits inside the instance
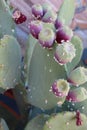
(76, 41)
(42, 72)
(37, 123)
(6, 22)
(66, 11)
(65, 121)
(10, 62)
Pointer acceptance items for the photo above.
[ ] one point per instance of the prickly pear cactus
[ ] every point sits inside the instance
(52, 53)
(50, 79)
(10, 62)
(6, 22)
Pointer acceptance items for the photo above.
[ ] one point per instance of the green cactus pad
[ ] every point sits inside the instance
(3, 125)
(66, 11)
(6, 22)
(5, 19)
(10, 62)
(65, 121)
(3, 4)
(76, 41)
(37, 123)
(30, 44)
(42, 72)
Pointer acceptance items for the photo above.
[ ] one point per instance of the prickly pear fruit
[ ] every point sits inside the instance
(18, 17)
(35, 27)
(77, 95)
(46, 37)
(58, 23)
(63, 34)
(60, 88)
(64, 53)
(50, 16)
(77, 42)
(49, 25)
(37, 11)
(46, 7)
(78, 76)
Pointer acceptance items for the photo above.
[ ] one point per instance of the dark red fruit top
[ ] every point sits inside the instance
(18, 17)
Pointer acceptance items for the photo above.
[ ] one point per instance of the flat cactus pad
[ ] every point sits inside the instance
(66, 121)
(37, 123)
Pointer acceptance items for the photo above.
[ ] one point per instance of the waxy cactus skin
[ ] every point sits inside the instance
(77, 95)
(66, 15)
(78, 76)
(42, 84)
(64, 53)
(66, 121)
(6, 22)
(10, 62)
(40, 61)
(37, 123)
(44, 70)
